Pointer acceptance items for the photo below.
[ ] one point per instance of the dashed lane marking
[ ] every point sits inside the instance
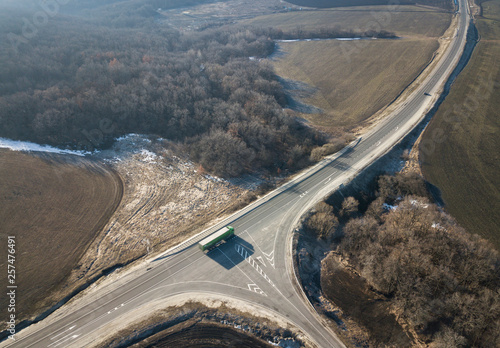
(71, 328)
(63, 340)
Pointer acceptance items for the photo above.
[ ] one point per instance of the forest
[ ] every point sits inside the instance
(80, 82)
(438, 278)
(90, 71)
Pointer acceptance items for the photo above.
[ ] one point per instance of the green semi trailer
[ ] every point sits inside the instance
(214, 239)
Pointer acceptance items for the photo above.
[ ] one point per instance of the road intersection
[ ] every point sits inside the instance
(255, 266)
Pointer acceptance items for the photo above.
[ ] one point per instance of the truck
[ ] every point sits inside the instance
(215, 238)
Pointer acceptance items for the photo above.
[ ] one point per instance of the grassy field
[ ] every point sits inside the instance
(464, 164)
(336, 3)
(54, 206)
(353, 80)
(404, 21)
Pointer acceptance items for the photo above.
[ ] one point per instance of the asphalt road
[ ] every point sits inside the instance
(255, 266)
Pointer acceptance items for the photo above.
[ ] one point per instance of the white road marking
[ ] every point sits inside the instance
(271, 260)
(103, 315)
(71, 328)
(244, 253)
(270, 257)
(261, 260)
(63, 340)
(255, 288)
(377, 144)
(246, 275)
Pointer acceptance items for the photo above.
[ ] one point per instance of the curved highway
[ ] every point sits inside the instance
(255, 266)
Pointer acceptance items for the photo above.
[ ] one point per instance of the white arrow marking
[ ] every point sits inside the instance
(255, 288)
(261, 260)
(270, 257)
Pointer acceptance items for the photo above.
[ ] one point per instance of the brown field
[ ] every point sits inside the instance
(354, 79)
(336, 3)
(404, 21)
(54, 206)
(464, 161)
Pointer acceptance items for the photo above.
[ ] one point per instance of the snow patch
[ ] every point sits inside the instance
(437, 226)
(416, 203)
(214, 178)
(389, 207)
(27, 146)
(130, 136)
(149, 157)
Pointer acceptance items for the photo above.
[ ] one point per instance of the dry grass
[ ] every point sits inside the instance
(55, 206)
(354, 79)
(166, 201)
(63, 210)
(464, 162)
(405, 21)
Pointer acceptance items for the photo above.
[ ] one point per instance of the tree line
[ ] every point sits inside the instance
(81, 85)
(439, 279)
(322, 33)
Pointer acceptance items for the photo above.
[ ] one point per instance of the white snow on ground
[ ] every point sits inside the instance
(149, 157)
(16, 145)
(419, 204)
(437, 226)
(133, 136)
(134, 143)
(389, 207)
(327, 39)
(214, 178)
